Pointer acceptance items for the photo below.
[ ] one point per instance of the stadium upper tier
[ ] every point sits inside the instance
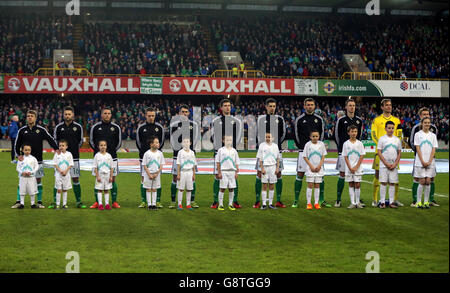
(413, 47)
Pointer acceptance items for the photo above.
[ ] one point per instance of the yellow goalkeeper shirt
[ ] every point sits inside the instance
(378, 128)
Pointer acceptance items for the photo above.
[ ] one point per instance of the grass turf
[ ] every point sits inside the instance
(206, 240)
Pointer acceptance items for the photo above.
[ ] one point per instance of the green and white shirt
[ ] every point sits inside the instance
(426, 142)
(186, 160)
(314, 152)
(28, 164)
(103, 163)
(353, 151)
(268, 154)
(228, 159)
(389, 147)
(153, 160)
(63, 161)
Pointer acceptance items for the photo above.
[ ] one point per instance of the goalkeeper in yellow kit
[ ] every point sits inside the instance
(377, 131)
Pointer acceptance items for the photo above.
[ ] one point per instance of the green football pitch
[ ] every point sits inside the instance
(205, 240)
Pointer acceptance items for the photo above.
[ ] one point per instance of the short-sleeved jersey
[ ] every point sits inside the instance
(415, 130)
(389, 147)
(314, 152)
(268, 154)
(378, 128)
(186, 160)
(353, 151)
(63, 161)
(153, 160)
(426, 142)
(228, 159)
(103, 163)
(28, 164)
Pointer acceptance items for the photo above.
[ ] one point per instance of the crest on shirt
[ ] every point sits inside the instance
(26, 131)
(357, 122)
(37, 131)
(62, 129)
(112, 128)
(156, 129)
(74, 129)
(99, 128)
(190, 127)
(145, 130)
(315, 120)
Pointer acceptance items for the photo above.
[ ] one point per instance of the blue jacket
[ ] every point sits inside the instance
(13, 128)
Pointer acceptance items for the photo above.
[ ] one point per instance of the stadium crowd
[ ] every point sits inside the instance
(146, 48)
(413, 47)
(129, 113)
(26, 41)
(284, 48)
(417, 48)
(403, 47)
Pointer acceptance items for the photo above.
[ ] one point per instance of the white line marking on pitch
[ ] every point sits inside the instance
(407, 189)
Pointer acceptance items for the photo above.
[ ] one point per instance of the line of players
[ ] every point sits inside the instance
(307, 125)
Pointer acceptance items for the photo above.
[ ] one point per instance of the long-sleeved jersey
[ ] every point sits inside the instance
(73, 133)
(144, 132)
(415, 130)
(340, 130)
(176, 130)
(226, 126)
(378, 128)
(304, 124)
(111, 133)
(35, 137)
(265, 123)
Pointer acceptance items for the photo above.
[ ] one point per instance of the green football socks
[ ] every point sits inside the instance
(432, 191)
(158, 194)
(173, 191)
(216, 189)
(39, 195)
(414, 190)
(235, 198)
(322, 191)
(298, 187)
(114, 192)
(193, 192)
(143, 193)
(258, 187)
(340, 187)
(279, 188)
(77, 191)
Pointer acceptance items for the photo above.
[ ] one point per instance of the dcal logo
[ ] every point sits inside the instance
(175, 85)
(404, 86)
(14, 84)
